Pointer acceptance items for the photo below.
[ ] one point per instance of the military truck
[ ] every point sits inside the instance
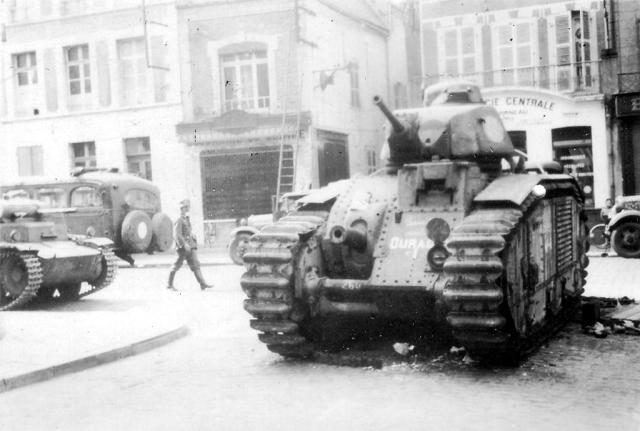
(441, 237)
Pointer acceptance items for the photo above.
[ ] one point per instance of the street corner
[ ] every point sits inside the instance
(41, 346)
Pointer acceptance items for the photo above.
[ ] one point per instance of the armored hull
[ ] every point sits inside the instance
(38, 258)
(444, 236)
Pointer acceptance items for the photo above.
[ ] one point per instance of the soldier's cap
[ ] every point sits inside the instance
(184, 203)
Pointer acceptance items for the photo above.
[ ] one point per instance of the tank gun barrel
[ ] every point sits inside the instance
(398, 127)
(352, 238)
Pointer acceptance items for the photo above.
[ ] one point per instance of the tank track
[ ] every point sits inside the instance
(34, 274)
(269, 284)
(112, 270)
(479, 314)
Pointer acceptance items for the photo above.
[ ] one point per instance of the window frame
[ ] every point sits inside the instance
(260, 75)
(83, 64)
(89, 158)
(516, 74)
(139, 156)
(139, 91)
(459, 56)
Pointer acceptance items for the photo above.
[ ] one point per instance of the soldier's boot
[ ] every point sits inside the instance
(170, 286)
(203, 284)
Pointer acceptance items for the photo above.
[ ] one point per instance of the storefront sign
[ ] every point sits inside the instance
(517, 102)
(628, 104)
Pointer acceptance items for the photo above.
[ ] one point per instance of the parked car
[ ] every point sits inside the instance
(122, 207)
(623, 229)
(239, 237)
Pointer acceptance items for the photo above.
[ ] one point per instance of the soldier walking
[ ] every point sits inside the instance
(186, 246)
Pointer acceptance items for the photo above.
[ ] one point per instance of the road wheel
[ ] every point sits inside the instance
(237, 248)
(70, 292)
(596, 236)
(136, 231)
(162, 232)
(626, 239)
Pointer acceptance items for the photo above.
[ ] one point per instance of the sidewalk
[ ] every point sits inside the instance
(84, 339)
(207, 256)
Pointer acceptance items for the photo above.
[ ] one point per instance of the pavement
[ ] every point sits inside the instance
(207, 257)
(69, 339)
(72, 338)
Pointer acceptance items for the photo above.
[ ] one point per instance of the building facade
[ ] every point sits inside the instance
(75, 97)
(540, 63)
(258, 76)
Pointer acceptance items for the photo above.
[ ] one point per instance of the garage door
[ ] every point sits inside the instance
(237, 185)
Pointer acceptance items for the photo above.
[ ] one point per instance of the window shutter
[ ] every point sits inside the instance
(104, 79)
(430, 53)
(37, 164)
(51, 85)
(487, 55)
(24, 161)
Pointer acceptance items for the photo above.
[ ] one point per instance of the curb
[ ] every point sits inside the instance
(91, 361)
(169, 264)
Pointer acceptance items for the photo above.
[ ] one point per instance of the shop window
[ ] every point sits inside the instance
(138, 155)
(518, 139)
(572, 149)
(83, 155)
(245, 77)
(86, 197)
(30, 161)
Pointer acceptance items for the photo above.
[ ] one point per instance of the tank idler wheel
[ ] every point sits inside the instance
(20, 279)
(238, 246)
(626, 239)
(70, 292)
(109, 269)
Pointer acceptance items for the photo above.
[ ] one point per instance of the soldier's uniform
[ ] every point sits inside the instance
(186, 246)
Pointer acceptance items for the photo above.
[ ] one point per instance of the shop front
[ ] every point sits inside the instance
(550, 126)
(628, 115)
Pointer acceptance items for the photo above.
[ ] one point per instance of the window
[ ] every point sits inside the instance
(30, 161)
(25, 68)
(515, 54)
(141, 199)
(245, 77)
(371, 160)
(51, 198)
(85, 197)
(458, 51)
(83, 155)
(573, 51)
(78, 69)
(518, 139)
(26, 96)
(138, 154)
(572, 149)
(355, 85)
(134, 79)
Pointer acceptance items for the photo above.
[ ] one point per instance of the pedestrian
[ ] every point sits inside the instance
(186, 246)
(606, 214)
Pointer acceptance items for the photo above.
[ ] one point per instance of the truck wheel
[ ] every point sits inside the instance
(162, 232)
(626, 239)
(596, 236)
(238, 247)
(136, 231)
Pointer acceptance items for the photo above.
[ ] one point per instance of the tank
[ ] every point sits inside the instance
(453, 233)
(39, 259)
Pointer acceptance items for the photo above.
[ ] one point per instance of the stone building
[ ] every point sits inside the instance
(543, 65)
(258, 76)
(91, 83)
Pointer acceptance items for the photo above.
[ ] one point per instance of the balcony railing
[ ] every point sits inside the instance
(629, 82)
(574, 78)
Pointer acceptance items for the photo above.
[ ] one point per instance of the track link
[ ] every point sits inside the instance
(107, 275)
(479, 313)
(270, 261)
(34, 280)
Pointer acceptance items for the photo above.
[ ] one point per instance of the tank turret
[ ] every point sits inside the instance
(454, 124)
